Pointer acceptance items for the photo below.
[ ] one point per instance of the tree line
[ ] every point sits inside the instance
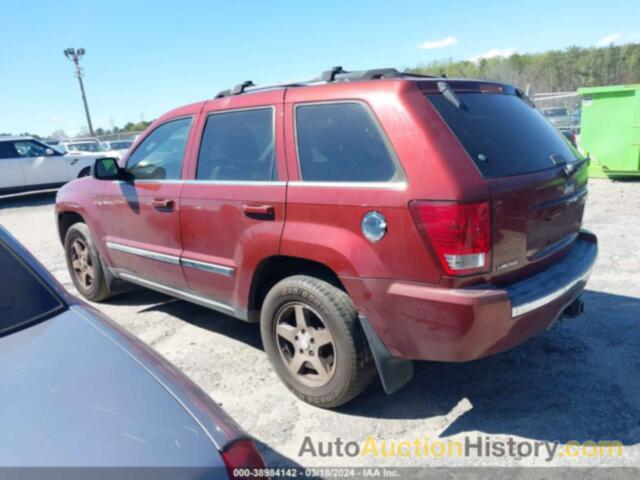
(550, 71)
(128, 127)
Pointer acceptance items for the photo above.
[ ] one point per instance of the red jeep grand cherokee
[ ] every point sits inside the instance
(366, 219)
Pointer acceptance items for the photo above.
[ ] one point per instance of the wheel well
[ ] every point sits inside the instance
(84, 172)
(273, 269)
(65, 220)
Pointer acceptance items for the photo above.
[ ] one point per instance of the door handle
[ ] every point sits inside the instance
(260, 212)
(162, 203)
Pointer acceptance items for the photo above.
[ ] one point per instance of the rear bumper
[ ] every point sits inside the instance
(421, 322)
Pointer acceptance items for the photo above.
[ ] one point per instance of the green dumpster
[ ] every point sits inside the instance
(610, 130)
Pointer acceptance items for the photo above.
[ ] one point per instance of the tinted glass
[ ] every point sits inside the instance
(7, 150)
(25, 299)
(238, 146)
(159, 156)
(84, 147)
(341, 142)
(26, 148)
(120, 145)
(503, 134)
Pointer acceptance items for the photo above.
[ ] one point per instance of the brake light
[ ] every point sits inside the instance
(241, 457)
(459, 233)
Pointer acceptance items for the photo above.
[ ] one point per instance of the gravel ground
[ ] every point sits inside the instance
(578, 381)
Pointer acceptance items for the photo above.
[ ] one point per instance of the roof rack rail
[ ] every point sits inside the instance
(330, 75)
(335, 74)
(236, 90)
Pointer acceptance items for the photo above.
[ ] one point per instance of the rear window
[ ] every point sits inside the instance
(502, 133)
(25, 297)
(341, 142)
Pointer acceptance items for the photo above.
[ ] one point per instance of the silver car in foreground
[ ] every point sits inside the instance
(78, 392)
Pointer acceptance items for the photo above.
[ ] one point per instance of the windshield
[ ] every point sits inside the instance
(84, 147)
(25, 297)
(503, 134)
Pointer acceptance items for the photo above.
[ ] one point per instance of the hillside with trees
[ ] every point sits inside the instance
(551, 71)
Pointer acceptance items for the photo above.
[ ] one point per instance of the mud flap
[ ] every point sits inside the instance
(394, 372)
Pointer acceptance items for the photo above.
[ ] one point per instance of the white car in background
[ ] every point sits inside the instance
(116, 148)
(82, 147)
(27, 164)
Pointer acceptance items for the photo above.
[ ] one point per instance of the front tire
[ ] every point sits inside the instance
(83, 262)
(314, 341)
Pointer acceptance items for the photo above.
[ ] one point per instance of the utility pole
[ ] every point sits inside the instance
(75, 56)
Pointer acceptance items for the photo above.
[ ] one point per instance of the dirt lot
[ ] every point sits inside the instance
(578, 381)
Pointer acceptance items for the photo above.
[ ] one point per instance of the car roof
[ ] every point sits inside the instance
(15, 138)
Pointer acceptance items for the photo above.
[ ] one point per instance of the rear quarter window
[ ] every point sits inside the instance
(502, 134)
(25, 297)
(342, 142)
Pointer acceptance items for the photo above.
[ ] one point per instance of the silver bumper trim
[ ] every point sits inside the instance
(542, 301)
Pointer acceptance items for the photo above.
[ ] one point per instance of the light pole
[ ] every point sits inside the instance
(75, 56)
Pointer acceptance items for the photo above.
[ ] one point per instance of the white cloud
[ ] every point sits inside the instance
(441, 43)
(493, 53)
(609, 39)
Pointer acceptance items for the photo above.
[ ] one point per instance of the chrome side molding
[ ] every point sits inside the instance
(140, 252)
(208, 267)
(173, 259)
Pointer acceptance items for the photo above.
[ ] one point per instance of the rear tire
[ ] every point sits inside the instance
(83, 262)
(314, 341)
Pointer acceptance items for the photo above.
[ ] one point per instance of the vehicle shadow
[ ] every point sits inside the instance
(30, 199)
(248, 333)
(577, 381)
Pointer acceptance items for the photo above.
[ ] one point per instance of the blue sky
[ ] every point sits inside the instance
(144, 58)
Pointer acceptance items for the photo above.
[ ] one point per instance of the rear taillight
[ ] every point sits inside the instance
(459, 233)
(242, 457)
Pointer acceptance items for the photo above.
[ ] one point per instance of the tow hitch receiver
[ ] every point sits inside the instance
(574, 309)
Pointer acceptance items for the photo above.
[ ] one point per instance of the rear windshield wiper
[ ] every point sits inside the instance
(568, 168)
(448, 93)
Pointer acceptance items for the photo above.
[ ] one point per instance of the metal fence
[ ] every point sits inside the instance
(562, 108)
(118, 136)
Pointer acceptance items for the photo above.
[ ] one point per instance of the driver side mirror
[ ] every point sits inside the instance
(108, 169)
(49, 152)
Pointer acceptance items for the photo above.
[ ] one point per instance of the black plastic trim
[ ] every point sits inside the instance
(394, 372)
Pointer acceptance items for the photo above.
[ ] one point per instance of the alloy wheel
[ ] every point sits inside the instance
(82, 263)
(305, 344)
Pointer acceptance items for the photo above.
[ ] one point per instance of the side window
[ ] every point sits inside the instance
(7, 150)
(341, 142)
(159, 156)
(27, 148)
(238, 146)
